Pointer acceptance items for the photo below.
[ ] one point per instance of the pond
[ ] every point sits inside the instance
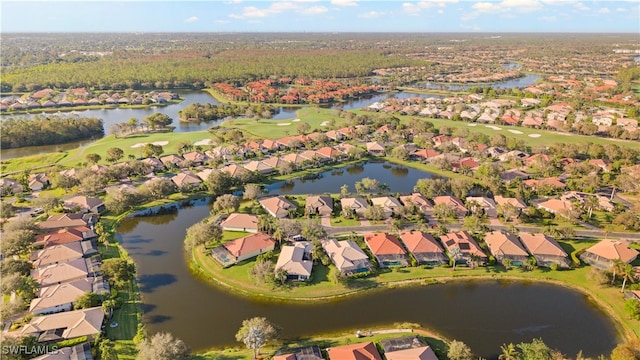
(398, 178)
(522, 82)
(482, 314)
(119, 115)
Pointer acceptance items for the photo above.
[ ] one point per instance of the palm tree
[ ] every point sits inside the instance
(455, 253)
(509, 352)
(592, 203)
(627, 274)
(616, 268)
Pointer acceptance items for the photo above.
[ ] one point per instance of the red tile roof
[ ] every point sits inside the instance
(384, 244)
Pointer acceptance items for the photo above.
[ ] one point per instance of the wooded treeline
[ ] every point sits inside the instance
(179, 70)
(49, 130)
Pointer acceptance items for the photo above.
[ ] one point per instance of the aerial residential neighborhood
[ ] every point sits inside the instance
(344, 179)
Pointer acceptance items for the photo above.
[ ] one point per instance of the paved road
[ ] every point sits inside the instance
(599, 234)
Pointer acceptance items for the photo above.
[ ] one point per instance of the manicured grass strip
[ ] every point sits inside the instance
(126, 349)
(29, 162)
(343, 221)
(126, 317)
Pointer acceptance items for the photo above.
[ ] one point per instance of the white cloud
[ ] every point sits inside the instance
(222, 21)
(191, 19)
(232, 2)
(314, 10)
(522, 5)
(372, 15)
(487, 7)
(548, 18)
(414, 8)
(411, 8)
(621, 10)
(582, 7)
(604, 10)
(440, 11)
(559, 2)
(344, 2)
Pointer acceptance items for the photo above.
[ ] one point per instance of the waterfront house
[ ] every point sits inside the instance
(277, 206)
(240, 222)
(61, 297)
(38, 181)
(544, 249)
(424, 247)
(375, 148)
(362, 351)
(321, 205)
(506, 246)
(603, 254)
(347, 256)
(63, 253)
(295, 159)
(247, 247)
(453, 201)
(419, 201)
(306, 353)
(387, 249)
(388, 204)
(407, 348)
(65, 236)
(296, 260)
(64, 272)
(468, 247)
(195, 157)
(85, 204)
(186, 180)
(260, 167)
(66, 325)
(357, 205)
(76, 352)
(275, 162)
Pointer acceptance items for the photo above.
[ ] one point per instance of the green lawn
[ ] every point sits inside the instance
(343, 221)
(126, 349)
(274, 129)
(126, 317)
(28, 162)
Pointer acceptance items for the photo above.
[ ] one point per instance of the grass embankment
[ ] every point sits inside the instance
(31, 162)
(321, 288)
(323, 341)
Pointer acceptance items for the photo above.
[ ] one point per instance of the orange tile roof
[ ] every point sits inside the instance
(384, 244)
(363, 351)
(420, 242)
(249, 244)
(541, 244)
(614, 250)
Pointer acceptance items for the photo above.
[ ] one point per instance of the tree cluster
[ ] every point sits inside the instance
(49, 130)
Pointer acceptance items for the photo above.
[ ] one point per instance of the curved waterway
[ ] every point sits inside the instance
(483, 314)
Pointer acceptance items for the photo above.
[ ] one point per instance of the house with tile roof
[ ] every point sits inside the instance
(62, 253)
(186, 180)
(321, 205)
(65, 236)
(260, 167)
(362, 351)
(418, 200)
(85, 204)
(544, 249)
(66, 325)
(389, 204)
(387, 249)
(64, 272)
(407, 348)
(347, 256)
(482, 204)
(424, 248)
(506, 246)
(277, 206)
(76, 352)
(467, 245)
(61, 297)
(357, 205)
(603, 254)
(240, 222)
(375, 148)
(296, 260)
(244, 248)
(453, 201)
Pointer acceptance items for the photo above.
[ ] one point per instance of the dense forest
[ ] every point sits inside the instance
(208, 112)
(49, 130)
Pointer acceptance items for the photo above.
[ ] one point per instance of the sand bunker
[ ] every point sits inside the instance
(472, 124)
(516, 132)
(324, 123)
(161, 143)
(138, 145)
(493, 127)
(534, 135)
(295, 120)
(203, 142)
(284, 124)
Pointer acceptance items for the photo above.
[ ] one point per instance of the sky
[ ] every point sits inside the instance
(321, 16)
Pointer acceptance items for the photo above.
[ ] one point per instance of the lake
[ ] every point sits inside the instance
(399, 178)
(482, 314)
(522, 82)
(119, 115)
